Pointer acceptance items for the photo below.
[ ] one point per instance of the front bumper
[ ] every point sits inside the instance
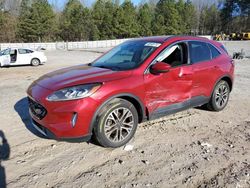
(56, 119)
(46, 132)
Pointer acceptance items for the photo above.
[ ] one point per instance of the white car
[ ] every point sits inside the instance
(21, 56)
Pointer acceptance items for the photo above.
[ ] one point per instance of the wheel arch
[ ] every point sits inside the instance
(126, 96)
(226, 78)
(229, 81)
(35, 58)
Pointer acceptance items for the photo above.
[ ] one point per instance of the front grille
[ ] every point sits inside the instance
(36, 109)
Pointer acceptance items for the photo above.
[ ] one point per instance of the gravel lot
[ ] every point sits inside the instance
(193, 148)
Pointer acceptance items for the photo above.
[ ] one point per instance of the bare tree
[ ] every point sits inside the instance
(2, 5)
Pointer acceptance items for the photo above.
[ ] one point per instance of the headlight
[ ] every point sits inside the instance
(76, 92)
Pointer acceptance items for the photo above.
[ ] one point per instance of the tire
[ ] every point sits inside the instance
(35, 62)
(220, 96)
(116, 124)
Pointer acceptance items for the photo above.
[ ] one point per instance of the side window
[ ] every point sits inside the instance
(22, 51)
(175, 55)
(199, 52)
(214, 52)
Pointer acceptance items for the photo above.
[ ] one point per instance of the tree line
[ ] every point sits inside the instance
(39, 21)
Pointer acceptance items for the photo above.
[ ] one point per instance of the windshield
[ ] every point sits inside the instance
(128, 55)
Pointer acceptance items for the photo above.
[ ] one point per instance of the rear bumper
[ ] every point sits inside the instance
(43, 60)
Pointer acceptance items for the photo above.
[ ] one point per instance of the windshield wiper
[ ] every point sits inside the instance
(106, 67)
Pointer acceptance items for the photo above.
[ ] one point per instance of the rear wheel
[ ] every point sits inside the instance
(220, 96)
(116, 124)
(35, 62)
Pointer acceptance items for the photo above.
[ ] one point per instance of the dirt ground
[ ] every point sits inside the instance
(193, 148)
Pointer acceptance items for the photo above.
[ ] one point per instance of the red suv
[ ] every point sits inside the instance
(138, 80)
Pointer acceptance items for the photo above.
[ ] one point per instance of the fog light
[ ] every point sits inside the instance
(74, 119)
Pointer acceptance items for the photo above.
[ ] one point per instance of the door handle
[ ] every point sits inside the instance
(184, 73)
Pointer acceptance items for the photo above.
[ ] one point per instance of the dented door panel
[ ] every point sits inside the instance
(168, 88)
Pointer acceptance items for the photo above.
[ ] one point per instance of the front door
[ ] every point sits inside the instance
(5, 57)
(169, 92)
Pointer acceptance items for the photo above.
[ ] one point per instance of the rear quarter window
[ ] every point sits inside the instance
(29, 51)
(224, 49)
(214, 52)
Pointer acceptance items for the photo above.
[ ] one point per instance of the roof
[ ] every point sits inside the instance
(159, 39)
(162, 39)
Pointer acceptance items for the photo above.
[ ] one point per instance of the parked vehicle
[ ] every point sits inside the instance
(21, 56)
(239, 36)
(246, 36)
(136, 81)
(233, 36)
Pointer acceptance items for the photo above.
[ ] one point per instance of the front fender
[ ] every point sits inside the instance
(121, 95)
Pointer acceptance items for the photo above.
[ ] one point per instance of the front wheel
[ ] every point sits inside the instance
(116, 124)
(220, 96)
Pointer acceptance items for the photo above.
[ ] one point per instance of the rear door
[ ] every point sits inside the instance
(204, 68)
(24, 56)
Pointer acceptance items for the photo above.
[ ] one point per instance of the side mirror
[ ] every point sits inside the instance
(160, 67)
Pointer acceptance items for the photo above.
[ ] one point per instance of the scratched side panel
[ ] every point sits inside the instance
(168, 88)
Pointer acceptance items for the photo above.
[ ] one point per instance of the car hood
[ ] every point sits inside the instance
(79, 75)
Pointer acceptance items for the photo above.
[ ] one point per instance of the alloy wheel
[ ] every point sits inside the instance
(119, 124)
(221, 96)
